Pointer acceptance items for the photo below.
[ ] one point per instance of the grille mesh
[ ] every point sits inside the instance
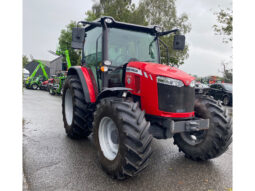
(176, 99)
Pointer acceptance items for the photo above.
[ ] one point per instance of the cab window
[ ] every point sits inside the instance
(93, 50)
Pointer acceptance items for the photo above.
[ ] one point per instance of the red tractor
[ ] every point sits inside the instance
(125, 97)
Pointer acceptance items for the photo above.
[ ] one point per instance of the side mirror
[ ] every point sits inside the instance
(78, 37)
(179, 42)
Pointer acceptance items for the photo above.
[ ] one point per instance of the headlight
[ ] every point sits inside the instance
(192, 84)
(169, 81)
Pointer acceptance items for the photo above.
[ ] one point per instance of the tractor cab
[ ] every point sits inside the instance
(108, 46)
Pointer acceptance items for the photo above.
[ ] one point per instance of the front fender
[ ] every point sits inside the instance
(115, 91)
(87, 81)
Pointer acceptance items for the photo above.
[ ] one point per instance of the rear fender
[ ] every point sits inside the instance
(87, 80)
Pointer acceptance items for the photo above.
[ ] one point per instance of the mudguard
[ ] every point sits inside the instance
(87, 80)
(115, 91)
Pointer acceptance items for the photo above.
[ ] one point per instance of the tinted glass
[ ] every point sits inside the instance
(125, 45)
(227, 87)
(93, 44)
(93, 38)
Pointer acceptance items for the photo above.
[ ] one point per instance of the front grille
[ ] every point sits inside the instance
(176, 99)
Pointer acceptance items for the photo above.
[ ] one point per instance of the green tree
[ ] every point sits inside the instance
(64, 43)
(227, 72)
(151, 12)
(224, 26)
(120, 10)
(24, 60)
(164, 14)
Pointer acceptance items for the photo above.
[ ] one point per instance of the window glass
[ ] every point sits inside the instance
(126, 45)
(213, 86)
(93, 45)
(228, 87)
(93, 39)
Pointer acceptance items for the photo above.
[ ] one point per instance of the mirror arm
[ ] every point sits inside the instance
(168, 32)
(166, 49)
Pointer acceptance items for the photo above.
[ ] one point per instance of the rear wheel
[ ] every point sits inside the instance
(211, 143)
(76, 115)
(34, 86)
(122, 138)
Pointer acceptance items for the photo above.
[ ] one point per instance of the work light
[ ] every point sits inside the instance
(169, 81)
(108, 20)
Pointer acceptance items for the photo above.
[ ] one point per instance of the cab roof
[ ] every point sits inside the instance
(121, 25)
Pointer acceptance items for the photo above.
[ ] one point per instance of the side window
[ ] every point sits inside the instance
(93, 41)
(213, 86)
(220, 87)
(93, 50)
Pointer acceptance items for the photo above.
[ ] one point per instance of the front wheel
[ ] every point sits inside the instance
(122, 138)
(211, 143)
(34, 86)
(51, 91)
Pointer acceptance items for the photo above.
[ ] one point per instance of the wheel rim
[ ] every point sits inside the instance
(194, 138)
(108, 135)
(225, 101)
(68, 107)
(34, 86)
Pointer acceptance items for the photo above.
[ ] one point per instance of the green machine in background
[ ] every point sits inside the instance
(59, 79)
(33, 82)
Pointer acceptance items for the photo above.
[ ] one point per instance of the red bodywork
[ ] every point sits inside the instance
(91, 83)
(47, 81)
(146, 87)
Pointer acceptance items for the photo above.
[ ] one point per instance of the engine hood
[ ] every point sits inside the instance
(162, 70)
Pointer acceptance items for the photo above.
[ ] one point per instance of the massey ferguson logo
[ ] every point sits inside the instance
(134, 70)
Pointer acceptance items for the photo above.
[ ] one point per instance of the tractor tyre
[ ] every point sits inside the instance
(76, 113)
(211, 143)
(51, 91)
(122, 138)
(34, 86)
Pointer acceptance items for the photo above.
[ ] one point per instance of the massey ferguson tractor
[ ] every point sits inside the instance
(126, 96)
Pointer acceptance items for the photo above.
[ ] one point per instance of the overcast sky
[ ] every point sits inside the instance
(44, 19)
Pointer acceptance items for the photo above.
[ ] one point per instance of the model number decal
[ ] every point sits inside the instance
(134, 70)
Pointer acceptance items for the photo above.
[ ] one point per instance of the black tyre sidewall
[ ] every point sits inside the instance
(110, 165)
(66, 87)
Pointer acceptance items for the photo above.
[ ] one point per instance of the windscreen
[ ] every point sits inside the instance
(228, 87)
(126, 45)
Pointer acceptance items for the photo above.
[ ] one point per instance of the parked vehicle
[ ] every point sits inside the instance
(125, 96)
(221, 92)
(201, 88)
(56, 86)
(35, 82)
(46, 84)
